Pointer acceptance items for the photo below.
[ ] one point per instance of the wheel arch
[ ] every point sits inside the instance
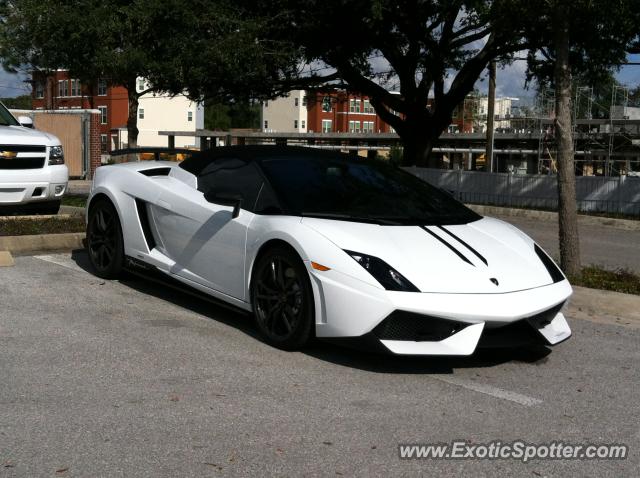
(263, 249)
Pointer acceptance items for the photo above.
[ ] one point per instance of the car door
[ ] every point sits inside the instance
(203, 238)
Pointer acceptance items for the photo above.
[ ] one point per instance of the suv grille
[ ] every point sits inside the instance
(22, 156)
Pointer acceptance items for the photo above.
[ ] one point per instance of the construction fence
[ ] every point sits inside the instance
(595, 194)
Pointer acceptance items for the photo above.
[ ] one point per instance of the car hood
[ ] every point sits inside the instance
(28, 136)
(485, 256)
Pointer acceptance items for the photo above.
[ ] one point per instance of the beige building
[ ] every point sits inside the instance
(287, 114)
(161, 112)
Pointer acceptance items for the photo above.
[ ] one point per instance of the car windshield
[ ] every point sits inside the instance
(366, 191)
(6, 118)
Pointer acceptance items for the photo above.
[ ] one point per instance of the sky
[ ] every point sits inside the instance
(509, 81)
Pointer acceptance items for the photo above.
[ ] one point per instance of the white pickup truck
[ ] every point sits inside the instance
(33, 176)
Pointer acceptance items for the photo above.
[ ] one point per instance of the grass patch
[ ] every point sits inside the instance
(52, 225)
(76, 201)
(620, 280)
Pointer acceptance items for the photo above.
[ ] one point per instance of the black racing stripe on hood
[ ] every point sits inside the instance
(478, 255)
(453, 249)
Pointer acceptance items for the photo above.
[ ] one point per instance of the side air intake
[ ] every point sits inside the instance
(143, 216)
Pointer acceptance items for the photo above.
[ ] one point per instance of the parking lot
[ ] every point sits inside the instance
(132, 378)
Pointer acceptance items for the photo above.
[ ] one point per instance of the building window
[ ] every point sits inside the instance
(189, 115)
(367, 126)
(326, 126)
(266, 103)
(295, 101)
(103, 143)
(354, 106)
(102, 87)
(266, 124)
(39, 89)
(75, 87)
(63, 88)
(103, 114)
(326, 104)
(368, 108)
(140, 113)
(303, 124)
(295, 124)
(304, 100)
(354, 126)
(140, 84)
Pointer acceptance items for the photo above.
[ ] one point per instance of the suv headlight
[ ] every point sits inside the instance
(56, 156)
(388, 277)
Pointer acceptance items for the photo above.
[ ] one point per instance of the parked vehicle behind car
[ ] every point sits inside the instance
(33, 176)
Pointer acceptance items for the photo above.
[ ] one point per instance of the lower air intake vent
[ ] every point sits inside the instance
(400, 325)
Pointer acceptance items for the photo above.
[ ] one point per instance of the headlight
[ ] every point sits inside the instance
(56, 156)
(388, 277)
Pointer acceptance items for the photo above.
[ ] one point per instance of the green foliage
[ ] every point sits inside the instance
(36, 225)
(620, 280)
(601, 34)
(395, 155)
(22, 102)
(233, 115)
(432, 52)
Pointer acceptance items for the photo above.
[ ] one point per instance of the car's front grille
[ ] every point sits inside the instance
(401, 325)
(22, 156)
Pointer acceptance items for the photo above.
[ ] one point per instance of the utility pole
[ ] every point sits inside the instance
(491, 106)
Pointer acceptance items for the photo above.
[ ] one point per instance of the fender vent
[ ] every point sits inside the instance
(156, 172)
(143, 216)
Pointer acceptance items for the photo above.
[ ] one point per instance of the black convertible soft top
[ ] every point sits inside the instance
(200, 160)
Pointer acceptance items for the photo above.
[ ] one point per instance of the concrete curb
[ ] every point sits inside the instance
(5, 259)
(42, 242)
(624, 224)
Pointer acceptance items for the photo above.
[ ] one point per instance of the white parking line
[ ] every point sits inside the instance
(489, 390)
(63, 260)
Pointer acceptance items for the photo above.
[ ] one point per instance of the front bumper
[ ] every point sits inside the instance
(24, 186)
(348, 308)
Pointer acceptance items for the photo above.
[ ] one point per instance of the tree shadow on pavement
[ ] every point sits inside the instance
(396, 364)
(180, 295)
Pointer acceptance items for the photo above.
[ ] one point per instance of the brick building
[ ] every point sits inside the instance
(156, 112)
(58, 91)
(322, 112)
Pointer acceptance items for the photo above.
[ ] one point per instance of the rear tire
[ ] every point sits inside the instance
(282, 299)
(104, 240)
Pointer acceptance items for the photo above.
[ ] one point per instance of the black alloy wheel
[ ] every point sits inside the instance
(104, 240)
(282, 299)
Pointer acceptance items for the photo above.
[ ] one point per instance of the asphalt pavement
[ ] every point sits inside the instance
(131, 378)
(600, 245)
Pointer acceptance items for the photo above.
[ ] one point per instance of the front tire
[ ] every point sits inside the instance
(282, 299)
(104, 240)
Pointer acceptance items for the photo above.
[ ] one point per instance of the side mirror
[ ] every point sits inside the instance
(25, 121)
(225, 199)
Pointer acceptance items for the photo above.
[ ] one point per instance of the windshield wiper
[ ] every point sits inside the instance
(348, 217)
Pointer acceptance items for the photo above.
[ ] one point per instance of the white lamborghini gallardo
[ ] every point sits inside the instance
(317, 243)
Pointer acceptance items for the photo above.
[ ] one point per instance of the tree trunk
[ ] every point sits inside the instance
(132, 119)
(417, 149)
(567, 209)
